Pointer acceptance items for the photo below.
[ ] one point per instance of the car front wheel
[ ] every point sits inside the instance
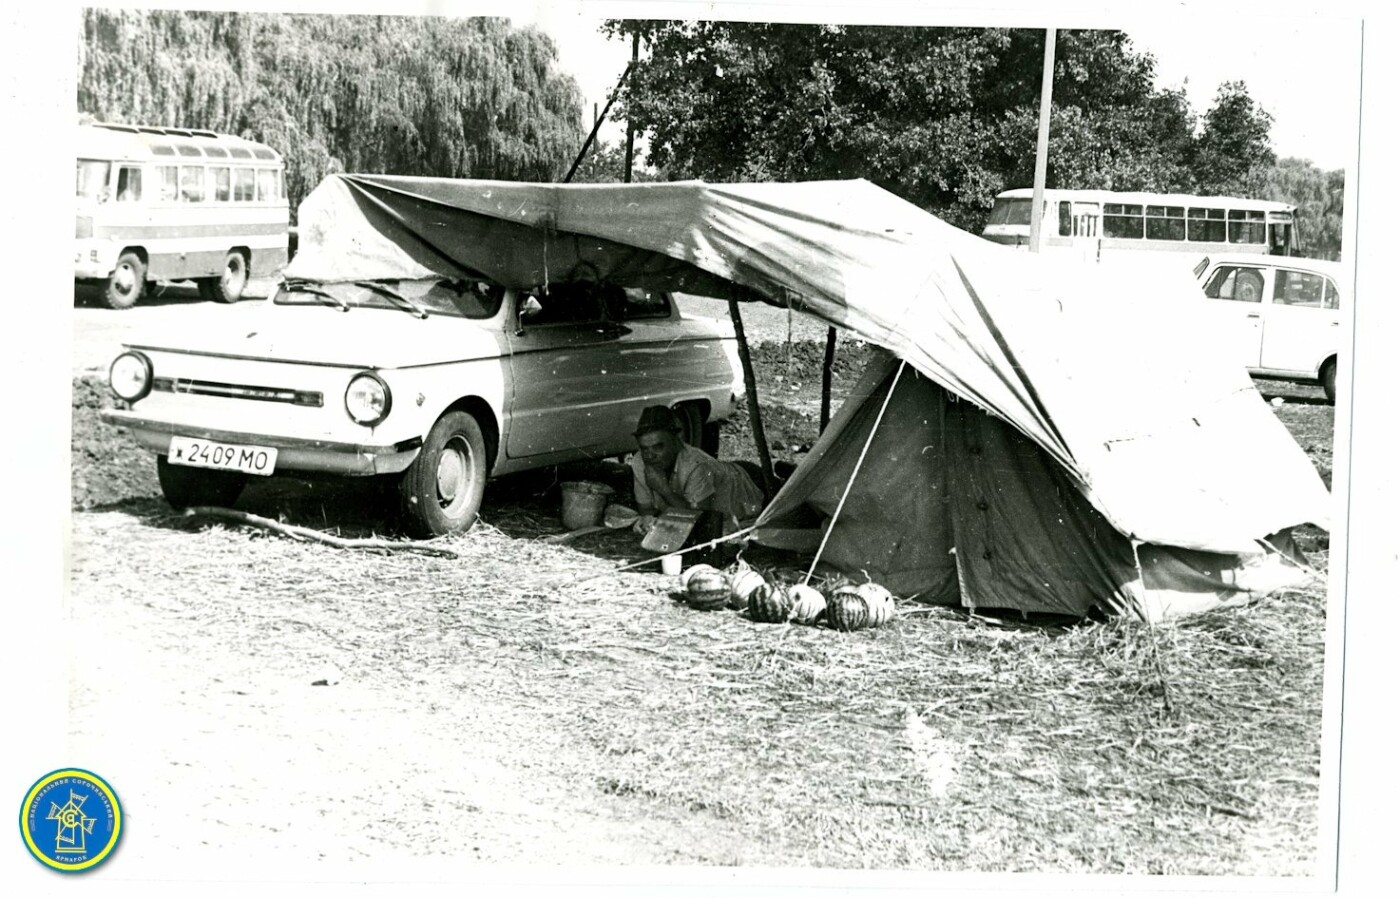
(184, 486)
(441, 491)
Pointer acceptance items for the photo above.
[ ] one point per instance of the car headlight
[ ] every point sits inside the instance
(130, 376)
(367, 399)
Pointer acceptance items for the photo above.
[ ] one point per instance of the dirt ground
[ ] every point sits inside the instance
(319, 714)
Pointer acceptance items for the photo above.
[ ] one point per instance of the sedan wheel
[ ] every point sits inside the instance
(441, 491)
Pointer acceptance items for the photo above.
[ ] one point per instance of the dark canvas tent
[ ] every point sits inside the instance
(1122, 460)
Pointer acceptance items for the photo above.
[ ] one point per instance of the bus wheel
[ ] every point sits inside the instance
(441, 491)
(1329, 381)
(228, 287)
(127, 283)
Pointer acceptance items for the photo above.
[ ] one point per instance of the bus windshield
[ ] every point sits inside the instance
(92, 179)
(1010, 211)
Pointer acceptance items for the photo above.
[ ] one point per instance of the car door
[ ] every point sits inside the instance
(563, 396)
(1236, 302)
(1301, 322)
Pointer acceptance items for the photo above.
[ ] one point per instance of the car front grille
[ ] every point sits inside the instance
(309, 398)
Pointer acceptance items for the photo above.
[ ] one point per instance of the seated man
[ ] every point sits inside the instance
(669, 475)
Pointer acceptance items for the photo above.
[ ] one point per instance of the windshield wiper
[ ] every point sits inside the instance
(300, 287)
(384, 291)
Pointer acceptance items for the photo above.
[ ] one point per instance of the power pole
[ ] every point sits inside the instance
(1042, 141)
(627, 172)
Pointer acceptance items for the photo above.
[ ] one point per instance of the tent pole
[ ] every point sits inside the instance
(765, 461)
(870, 438)
(827, 362)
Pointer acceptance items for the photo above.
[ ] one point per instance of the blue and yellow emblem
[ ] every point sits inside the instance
(71, 820)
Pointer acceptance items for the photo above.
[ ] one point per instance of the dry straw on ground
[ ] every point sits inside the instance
(942, 741)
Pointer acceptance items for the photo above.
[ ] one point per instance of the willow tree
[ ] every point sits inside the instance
(395, 95)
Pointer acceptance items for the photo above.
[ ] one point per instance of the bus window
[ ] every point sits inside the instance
(243, 185)
(1246, 226)
(128, 184)
(1205, 225)
(267, 185)
(191, 183)
(169, 183)
(1122, 220)
(223, 185)
(92, 179)
(1066, 219)
(1166, 223)
(1006, 211)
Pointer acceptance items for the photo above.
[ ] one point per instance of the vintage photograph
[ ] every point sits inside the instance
(704, 440)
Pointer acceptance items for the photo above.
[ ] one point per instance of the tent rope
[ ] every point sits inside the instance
(870, 438)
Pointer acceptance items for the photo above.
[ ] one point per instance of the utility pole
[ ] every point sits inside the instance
(627, 172)
(1042, 141)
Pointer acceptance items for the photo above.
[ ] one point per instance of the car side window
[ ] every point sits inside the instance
(568, 303)
(1239, 284)
(1331, 299)
(1298, 288)
(632, 303)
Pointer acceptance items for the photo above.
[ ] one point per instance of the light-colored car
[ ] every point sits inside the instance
(1281, 314)
(438, 384)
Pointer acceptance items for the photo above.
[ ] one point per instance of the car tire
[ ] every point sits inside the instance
(692, 424)
(228, 286)
(440, 493)
(710, 441)
(127, 283)
(1328, 379)
(184, 486)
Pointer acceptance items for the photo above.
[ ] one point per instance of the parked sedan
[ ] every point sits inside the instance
(1282, 314)
(437, 383)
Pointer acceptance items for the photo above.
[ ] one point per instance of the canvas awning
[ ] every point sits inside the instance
(1110, 374)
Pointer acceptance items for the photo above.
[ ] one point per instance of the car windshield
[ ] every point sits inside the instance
(458, 298)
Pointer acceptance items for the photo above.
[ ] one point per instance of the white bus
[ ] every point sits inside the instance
(1099, 224)
(171, 204)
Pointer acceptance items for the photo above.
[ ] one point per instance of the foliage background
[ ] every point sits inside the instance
(944, 117)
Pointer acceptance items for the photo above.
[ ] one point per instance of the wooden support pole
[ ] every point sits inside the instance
(827, 361)
(765, 460)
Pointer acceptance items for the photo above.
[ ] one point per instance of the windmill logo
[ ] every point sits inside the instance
(71, 820)
(73, 825)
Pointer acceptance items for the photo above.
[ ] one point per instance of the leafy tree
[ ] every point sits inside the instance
(1233, 152)
(945, 117)
(1318, 195)
(397, 95)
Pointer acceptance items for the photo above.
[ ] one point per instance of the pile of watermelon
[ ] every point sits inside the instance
(844, 605)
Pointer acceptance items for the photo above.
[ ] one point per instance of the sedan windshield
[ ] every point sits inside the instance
(457, 298)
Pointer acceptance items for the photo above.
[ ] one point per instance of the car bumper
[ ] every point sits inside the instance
(294, 454)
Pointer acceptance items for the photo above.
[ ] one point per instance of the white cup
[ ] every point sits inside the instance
(671, 564)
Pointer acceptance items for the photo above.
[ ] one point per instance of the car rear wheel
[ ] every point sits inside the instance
(184, 486)
(441, 491)
(692, 424)
(1328, 378)
(127, 282)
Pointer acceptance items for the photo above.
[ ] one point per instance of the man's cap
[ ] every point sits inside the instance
(657, 417)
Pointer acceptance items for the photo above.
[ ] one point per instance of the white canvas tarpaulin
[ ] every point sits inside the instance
(1110, 376)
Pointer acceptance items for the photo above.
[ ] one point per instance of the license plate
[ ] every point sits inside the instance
(223, 456)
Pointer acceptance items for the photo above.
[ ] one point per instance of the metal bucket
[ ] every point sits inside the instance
(584, 503)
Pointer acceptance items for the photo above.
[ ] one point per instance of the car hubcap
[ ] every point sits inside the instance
(453, 474)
